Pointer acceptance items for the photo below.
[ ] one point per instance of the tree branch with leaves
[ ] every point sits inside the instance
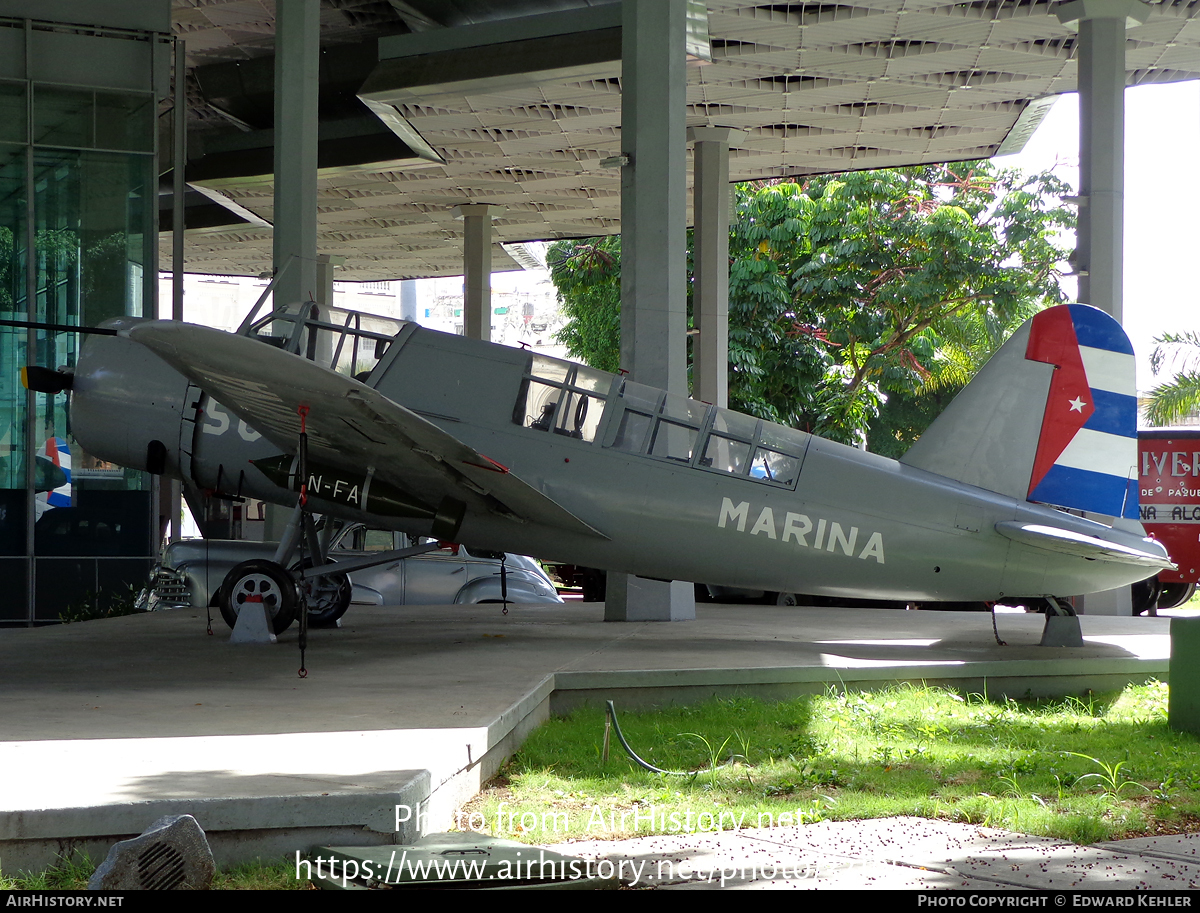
(844, 288)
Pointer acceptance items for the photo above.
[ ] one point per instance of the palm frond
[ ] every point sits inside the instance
(1171, 401)
(1182, 349)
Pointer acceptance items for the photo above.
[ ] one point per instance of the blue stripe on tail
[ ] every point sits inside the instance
(1098, 330)
(1115, 413)
(1113, 496)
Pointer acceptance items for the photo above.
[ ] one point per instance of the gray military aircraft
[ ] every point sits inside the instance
(504, 449)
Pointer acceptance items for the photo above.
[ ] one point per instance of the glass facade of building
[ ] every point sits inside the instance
(78, 222)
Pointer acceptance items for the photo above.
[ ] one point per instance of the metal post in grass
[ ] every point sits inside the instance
(1183, 706)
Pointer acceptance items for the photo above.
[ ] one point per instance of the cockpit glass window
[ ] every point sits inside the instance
(632, 431)
(785, 440)
(580, 416)
(541, 401)
(734, 424)
(551, 369)
(641, 398)
(673, 441)
(772, 466)
(726, 454)
(591, 380)
(663, 425)
(561, 397)
(742, 445)
(687, 411)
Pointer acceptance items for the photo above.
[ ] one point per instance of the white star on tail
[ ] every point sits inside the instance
(1077, 404)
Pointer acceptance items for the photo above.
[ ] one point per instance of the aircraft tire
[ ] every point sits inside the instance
(1175, 594)
(594, 584)
(327, 596)
(1144, 596)
(267, 580)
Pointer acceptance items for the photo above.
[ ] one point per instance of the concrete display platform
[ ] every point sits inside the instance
(406, 711)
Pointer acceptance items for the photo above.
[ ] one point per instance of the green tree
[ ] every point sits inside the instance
(587, 276)
(963, 347)
(1178, 397)
(844, 289)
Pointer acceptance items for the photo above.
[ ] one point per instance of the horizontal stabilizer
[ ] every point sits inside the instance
(1153, 557)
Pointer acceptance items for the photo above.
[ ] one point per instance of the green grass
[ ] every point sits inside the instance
(72, 875)
(1081, 770)
(1097, 768)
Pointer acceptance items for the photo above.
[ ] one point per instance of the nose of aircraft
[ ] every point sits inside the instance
(127, 403)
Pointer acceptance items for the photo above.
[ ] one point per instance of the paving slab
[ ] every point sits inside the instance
(887, 853)
(1184, 847)
(754, 859)
(996, 856)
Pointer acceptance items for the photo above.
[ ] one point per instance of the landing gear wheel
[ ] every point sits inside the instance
(1173, 595)
(594, 584)
(327, 596)
(1144, 596)
(260, 581)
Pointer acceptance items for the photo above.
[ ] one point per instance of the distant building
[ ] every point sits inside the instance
(524, 306)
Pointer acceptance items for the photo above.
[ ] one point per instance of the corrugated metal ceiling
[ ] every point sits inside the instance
(816, 87)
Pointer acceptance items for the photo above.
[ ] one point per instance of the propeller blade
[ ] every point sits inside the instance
(45, 380)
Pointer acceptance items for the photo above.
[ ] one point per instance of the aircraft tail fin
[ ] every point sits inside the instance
(1051, 418)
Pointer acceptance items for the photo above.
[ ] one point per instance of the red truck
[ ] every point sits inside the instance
(1169, 476)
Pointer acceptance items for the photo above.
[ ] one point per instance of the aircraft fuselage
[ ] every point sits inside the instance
(674, 488)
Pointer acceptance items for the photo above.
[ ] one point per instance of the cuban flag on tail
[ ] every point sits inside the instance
(1087, 451)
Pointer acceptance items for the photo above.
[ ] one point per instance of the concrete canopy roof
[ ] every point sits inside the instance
(813, 88)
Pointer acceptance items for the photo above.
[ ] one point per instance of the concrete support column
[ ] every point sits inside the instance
(1101, 56)
(297, 59)
(1100, 247)
(321, 345)
(477, 268)
(653, 245)
(408, 299)
(1101, 239)
(710, 263)
(172, 489)
(653, 193)
(323, 278)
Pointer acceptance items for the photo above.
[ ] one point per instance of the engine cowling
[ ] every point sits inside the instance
(127, 404)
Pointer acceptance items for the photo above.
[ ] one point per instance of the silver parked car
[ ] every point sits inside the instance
(192, 571)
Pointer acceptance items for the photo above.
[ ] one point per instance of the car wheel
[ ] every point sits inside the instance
(260, 581)
(327, 596)
(786, 599)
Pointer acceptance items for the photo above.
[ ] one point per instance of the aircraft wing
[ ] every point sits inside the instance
(1080, 545)
(349, 424)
